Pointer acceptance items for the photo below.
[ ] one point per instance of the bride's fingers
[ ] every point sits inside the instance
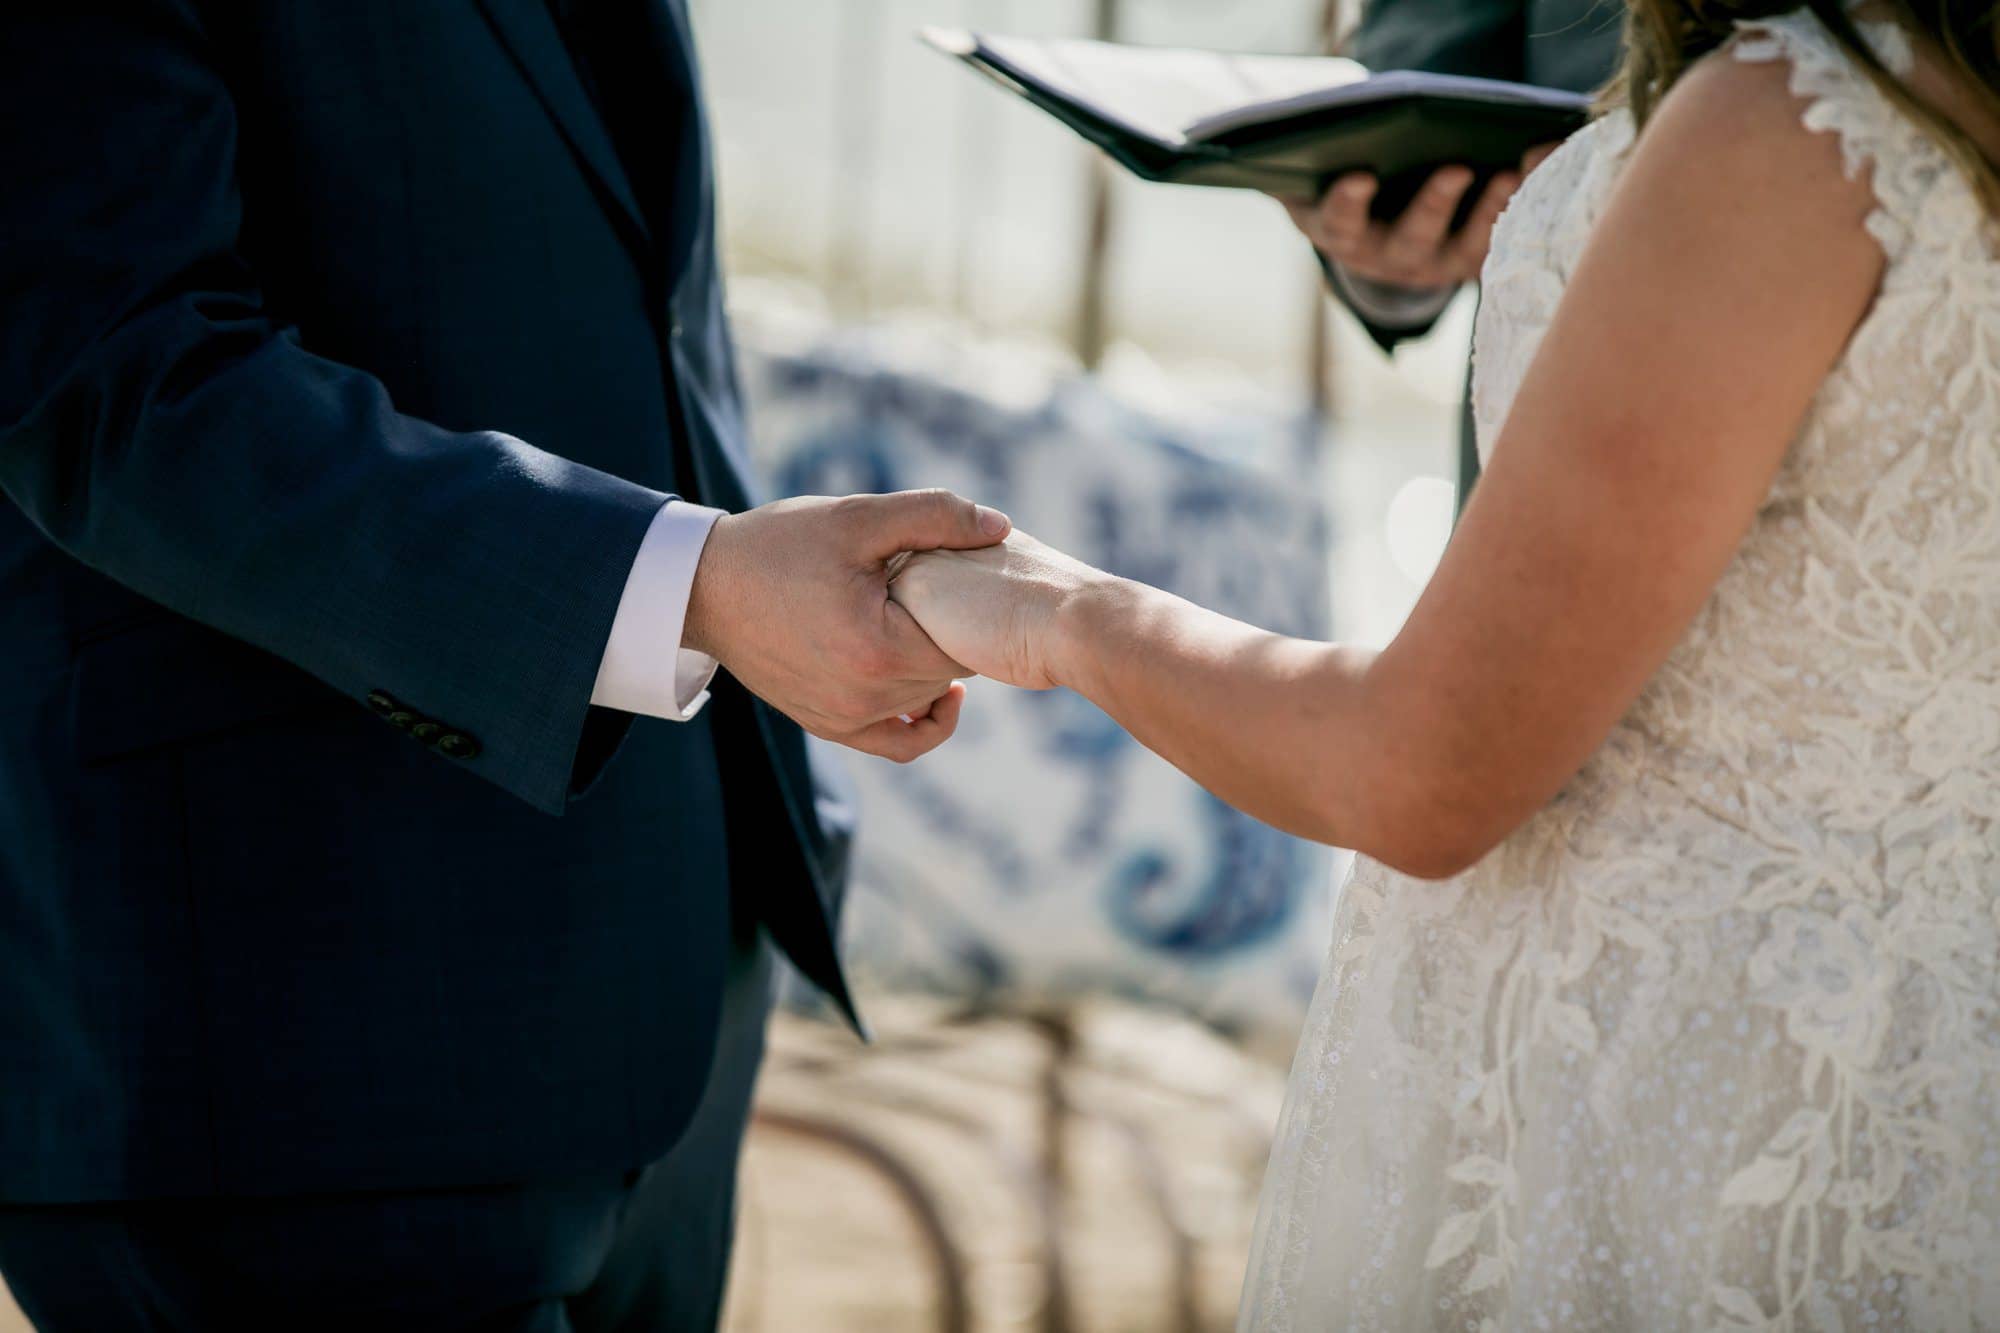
(921, 658)
(905, 588)
(903, 741)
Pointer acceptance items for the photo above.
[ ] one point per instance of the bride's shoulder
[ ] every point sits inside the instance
(1726, 123)
(1743, 134)
(1732, 137)
(1743, 93)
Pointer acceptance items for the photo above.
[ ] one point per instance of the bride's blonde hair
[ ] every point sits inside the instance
(1664, 37)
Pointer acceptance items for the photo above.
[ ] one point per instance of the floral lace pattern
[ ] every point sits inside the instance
(1712, 1042)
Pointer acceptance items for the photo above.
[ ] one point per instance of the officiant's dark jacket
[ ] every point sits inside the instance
(343, 365)
(1569, 44)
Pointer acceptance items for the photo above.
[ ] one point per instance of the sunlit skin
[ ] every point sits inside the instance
(1717, 291)
(792, 597)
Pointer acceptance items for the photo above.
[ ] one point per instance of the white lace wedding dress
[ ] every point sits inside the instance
(1714, 1040)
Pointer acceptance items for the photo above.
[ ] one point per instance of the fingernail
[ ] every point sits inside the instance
(992, 522)
(907, 720)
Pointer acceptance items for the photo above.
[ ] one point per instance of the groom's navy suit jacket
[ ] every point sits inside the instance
(342, 369)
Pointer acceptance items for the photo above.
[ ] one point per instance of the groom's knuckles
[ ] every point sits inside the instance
(874, 740)
(916, 700)
(901, 742)
(863, 703)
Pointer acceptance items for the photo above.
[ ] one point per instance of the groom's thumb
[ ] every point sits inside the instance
(928, 521)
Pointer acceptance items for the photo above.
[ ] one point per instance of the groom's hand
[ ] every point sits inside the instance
(793, 599)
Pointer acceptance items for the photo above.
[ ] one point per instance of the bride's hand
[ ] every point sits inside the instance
(1001, 611)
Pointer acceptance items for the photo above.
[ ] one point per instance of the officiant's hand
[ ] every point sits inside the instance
(1418, 248)
(793, 599)
(1008, 611)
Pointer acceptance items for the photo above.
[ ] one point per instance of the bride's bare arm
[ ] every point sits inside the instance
(1721, 285)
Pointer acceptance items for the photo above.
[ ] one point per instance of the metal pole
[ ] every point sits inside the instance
(1091, 331)
(1060, 1030)
(858, 122)
(1319, 343)
(980, 195)
(917, 1199)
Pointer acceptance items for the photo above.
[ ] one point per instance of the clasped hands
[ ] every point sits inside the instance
(856, 617)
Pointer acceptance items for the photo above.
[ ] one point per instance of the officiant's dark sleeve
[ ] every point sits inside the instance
(161, 424)
(1483, 38)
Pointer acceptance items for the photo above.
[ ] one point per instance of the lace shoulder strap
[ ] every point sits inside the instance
(1919, 189)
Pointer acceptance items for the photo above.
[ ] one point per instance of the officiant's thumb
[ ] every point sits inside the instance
(929, 521)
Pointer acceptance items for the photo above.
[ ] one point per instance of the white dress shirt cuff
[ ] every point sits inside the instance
(645, 669)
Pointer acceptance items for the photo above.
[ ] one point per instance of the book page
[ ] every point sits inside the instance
(1160, 91)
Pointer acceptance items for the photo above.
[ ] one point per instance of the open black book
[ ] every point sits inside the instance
(1284, 124)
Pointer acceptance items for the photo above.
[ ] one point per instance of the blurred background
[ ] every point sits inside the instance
(1085, 974)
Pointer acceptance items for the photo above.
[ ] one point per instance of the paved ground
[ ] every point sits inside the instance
(1164, 1134)
(1166, 1129)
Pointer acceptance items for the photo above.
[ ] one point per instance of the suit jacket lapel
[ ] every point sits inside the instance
(674, 40)
(529, 31)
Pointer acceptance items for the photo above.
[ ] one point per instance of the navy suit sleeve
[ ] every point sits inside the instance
(160, 424)
(1486, 38)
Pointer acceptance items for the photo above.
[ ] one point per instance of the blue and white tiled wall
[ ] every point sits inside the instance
(1043, 854)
